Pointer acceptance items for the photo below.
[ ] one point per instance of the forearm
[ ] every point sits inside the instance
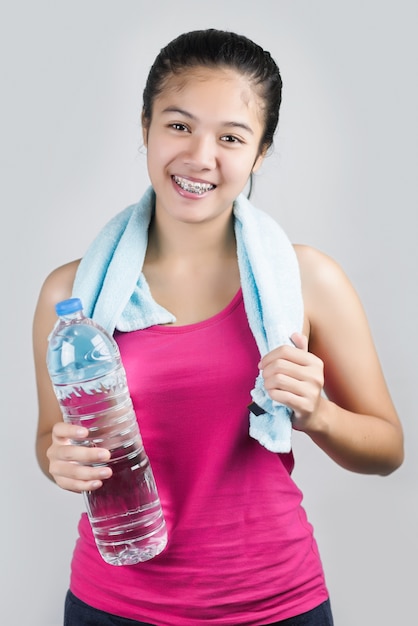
(360, 443)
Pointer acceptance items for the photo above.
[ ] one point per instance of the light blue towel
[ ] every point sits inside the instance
(114, 292)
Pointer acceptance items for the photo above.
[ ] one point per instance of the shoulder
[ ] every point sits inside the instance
(317, 268)
(321, 276)
(59, 283)
(57, 286)
(330, 299)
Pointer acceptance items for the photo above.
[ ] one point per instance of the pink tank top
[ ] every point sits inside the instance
(240, 549)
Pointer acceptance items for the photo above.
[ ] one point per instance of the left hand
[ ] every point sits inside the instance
(295, 377)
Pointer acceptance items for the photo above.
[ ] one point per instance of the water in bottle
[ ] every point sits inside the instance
(90, 384)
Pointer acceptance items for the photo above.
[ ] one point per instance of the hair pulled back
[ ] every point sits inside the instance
(218, 48)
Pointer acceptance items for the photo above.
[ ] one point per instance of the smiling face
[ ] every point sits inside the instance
(203, 141)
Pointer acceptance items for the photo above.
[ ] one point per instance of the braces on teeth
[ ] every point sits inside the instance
(198, 188)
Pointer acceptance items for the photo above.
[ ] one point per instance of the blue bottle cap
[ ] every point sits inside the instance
(65, 307)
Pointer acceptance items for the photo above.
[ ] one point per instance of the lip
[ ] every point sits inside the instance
(189, 187)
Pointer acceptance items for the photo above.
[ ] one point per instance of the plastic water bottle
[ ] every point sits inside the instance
(90, 384)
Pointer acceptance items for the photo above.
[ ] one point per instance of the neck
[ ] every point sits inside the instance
(185, 241)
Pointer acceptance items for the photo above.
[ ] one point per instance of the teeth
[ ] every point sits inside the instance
(188, 185)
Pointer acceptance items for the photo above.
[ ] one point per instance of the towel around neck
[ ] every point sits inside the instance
(114, 292)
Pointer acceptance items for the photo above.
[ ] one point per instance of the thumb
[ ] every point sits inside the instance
(299, 341)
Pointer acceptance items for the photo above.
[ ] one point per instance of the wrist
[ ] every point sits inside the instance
(318, 423)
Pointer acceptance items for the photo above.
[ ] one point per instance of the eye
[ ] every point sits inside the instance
(230, 139)
(178, 126)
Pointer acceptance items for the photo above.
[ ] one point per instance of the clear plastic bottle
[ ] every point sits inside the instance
(90, 384)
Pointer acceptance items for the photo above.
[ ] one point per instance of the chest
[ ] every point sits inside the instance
(194, 293)
(192, 369)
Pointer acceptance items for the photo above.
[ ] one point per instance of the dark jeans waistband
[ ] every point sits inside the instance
(78, 613)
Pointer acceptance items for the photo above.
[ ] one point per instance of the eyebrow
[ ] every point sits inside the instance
(190, 116)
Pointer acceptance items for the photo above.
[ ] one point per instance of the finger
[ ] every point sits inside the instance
(299, 404)
(62, 430)
(288, 360)
(84, 455)
(76, 485)
(278, 358)
(299, 341)
(76, 477)
(285, 382)
(76, 471)
(281, 374)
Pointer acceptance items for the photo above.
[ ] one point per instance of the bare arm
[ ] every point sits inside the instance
(356, 424)
(57, 458)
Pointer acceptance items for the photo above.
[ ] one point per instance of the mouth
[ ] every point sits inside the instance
(191, 186)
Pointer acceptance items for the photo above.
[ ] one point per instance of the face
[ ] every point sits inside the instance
(202, 143)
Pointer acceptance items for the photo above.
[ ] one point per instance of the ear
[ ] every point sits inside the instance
(257, 163)
(259, 160)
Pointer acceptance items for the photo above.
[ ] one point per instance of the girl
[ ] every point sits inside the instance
(240, 550)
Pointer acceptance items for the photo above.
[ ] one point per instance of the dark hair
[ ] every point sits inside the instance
(214, 48)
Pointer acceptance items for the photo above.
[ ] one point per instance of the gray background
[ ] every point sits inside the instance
(342, 177)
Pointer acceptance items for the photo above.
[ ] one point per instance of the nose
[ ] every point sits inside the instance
(201, 152)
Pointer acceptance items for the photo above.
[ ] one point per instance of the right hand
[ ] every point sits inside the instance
(70, 465)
